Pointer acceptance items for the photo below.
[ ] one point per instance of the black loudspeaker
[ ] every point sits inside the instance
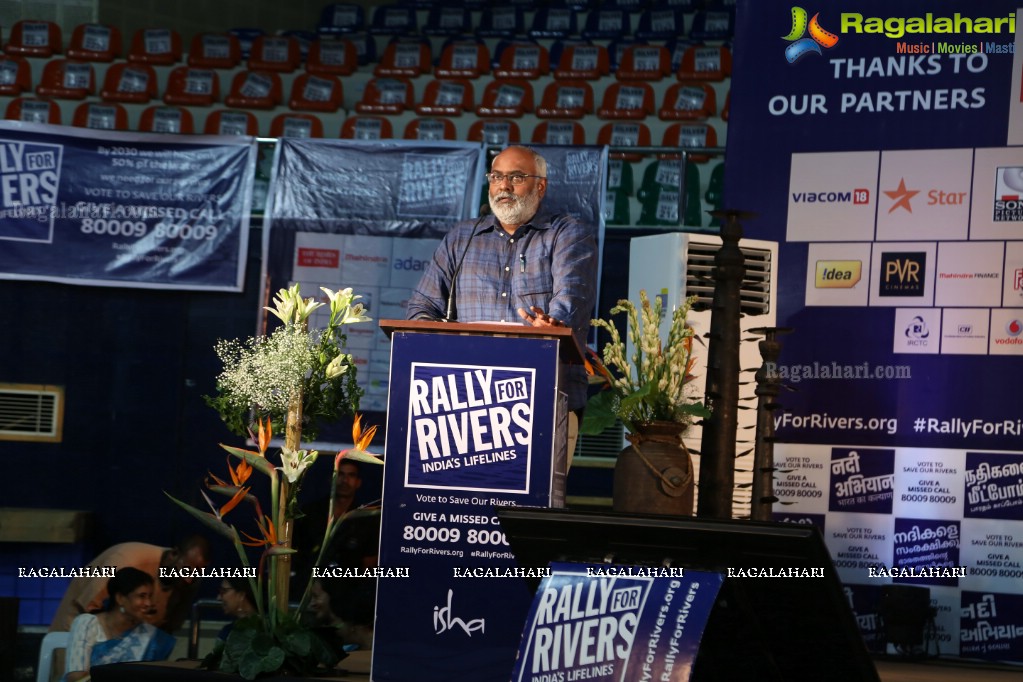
(906, 614)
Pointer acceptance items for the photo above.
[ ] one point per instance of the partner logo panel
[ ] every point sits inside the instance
(832, 197)
(924, 194)
(836, 274)
(902, 274)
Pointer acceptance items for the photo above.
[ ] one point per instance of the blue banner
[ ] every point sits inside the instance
(605, 622)
(120, 209)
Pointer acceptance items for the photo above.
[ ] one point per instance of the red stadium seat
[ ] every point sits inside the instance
(726, 109)
(632, 100)
(221, 122)
(689, 135)
(506, 99)
(316, 93)
(386, 96)
(463, 59)
(33, 111)
(494, 133)
(430, 129)
(15, 76)
(95, 43)
(63, 79)
(215, 51)
(624, 134)
(255, 90)
(296, 125)
(523, 60)
(158, 46)
(35, 39)
(446, 98)
(644, 63)
(404, 58)
(566, 99)
(688, 101)
(189, 86)
(134, 83)
(275, 53)
(158, 119)
(100, 116)
(583, 62)
(700, 62)
(563, 133)
(366, 128)
(332, 57)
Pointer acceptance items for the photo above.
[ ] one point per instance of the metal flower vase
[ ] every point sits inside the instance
(654, 475)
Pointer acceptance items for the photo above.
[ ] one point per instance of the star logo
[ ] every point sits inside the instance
(901, 196)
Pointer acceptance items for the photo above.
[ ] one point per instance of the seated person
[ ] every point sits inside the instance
(119, 633)
(235, 595)
(342, 611)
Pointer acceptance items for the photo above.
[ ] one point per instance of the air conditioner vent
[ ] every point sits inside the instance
(31, 412)
(755, 293)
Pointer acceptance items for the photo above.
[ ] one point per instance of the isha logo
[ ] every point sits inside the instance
(801, 46)
(444, 621)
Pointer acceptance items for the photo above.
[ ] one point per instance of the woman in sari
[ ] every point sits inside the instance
(120, 632)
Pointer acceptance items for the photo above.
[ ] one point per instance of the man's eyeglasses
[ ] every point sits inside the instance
(495, 178)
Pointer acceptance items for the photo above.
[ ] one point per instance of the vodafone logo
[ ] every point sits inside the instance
(1014, 327)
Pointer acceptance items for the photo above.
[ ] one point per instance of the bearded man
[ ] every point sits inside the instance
(519, 263)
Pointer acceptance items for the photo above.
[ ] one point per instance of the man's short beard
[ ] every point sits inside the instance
(524, 208)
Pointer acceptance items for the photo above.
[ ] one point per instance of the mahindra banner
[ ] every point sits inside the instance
(881, 144)
(120, 209)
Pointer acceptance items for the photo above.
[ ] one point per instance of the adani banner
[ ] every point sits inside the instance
(881, 144)
(118, 209)
(473, 424)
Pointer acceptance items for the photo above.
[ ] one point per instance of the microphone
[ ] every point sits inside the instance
(450, 314)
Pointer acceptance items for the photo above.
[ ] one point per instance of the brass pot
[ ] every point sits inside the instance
(654, 475)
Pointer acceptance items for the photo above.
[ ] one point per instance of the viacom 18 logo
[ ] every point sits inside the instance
(29, 178)
(470, 427)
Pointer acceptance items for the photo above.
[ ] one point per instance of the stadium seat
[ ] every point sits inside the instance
(627, 5)
(63, 79)
(316, 93)
(33, 111)
(566, 99)
(303, 38)
(619, 176)
(342, 17)
(394, 19)
(726, 109)
(506, 99)
(95, 43)
(624, 134)
(659, 194)
(332, 57)
(564, 133)
(463, 59)
(582, 62)
(494, 133)
(713, 25)
(215, 51)
(158, 119)
(275, 53)
(386, 96)
(715, 187)
(449, 97)
(677, 48)
(689, 135)
(100, 116)
(188, 86)
(222, 122)
(246, 37)
(366, 128)
(688, 101)
(554, 22)
(448, 20)
(404, 58)
(522, 60)
(365, 47)
(660, 24)
(705, 63)
(504, 21)
(255, 90)
(627, 100)
(430, 129)
(15, 76)
(35, 39)
(617, 208)
(616, 50)
(296, 125)
(644, 63)
(157, 46)
(607, 24)
(131, 83)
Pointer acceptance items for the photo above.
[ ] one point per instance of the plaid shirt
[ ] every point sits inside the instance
(550, 262)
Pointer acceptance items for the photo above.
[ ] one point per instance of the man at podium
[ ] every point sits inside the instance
(516, 262)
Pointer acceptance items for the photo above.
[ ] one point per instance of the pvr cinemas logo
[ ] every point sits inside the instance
(902, 274)
(838, 274)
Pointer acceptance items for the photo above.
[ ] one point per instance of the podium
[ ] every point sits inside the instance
(476, 420)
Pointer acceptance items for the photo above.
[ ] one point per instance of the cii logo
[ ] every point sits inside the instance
(838, 274)
(902, 274)
(802, 46)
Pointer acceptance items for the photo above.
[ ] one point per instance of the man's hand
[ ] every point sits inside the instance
(538, 318)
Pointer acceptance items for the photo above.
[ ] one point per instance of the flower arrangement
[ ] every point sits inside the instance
(653, 385)
(294, 377)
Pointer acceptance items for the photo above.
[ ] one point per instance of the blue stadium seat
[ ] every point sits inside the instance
(342, 17)
(505, 21)
(394, 19)
(713, 24)
(448, 20)
(660, 24)
(607, 24)
(554, 22)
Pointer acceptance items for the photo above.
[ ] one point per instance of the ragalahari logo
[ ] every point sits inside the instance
(801, 45)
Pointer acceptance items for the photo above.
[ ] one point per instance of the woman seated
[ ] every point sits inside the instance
(236, 597)
(118, 633)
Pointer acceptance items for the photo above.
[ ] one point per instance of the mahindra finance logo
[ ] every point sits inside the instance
(838, 274)
(902, 273)
(802, 46)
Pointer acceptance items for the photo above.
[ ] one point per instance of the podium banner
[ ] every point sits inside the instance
(120, 209)
(603, 622)
(473, 423)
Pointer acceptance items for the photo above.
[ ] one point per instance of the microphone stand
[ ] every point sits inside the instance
(451, 315)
